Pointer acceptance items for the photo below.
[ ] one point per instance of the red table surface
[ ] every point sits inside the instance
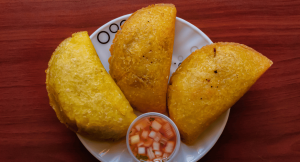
(264, 125)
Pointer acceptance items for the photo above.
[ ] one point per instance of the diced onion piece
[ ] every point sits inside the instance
(132, 131)
(150, 153)
(163, 140)
(157, 137)
(143, 124)
(148, 142)
(141, 150)
(159, 120)
(156, 146)
(152, 134)
(145, 134)
(140, 144)
(165, 155)
(171, 143)
(157, 160)
(170, 146)
(135, 139)
(167, 131)
(164, 120)
(156, 125)
(158, 153)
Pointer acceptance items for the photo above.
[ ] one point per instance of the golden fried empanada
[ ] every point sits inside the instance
(141, 56)
(83, 95)
(209, 82)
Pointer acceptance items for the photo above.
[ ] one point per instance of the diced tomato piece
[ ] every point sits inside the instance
(148, 142)
(133, 147)
(141, 143)
(132, 131)
(156, 125)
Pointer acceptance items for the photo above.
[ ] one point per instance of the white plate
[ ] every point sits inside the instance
(187, 39)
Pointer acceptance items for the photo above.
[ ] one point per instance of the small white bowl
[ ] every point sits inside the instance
(158, 115)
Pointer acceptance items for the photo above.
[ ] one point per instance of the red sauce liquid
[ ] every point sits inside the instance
(152, 139)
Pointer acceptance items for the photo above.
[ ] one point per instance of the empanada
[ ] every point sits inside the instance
(209, 82)
(83, 95)
(141, 56)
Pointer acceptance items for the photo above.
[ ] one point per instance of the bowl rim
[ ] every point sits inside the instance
(174, 153)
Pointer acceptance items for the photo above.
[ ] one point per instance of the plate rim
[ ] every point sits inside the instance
(206, 38)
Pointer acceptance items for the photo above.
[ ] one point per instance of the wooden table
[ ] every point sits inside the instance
(264, 125)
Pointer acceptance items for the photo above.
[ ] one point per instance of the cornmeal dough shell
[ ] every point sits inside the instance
(83, 95)
(209, 82)
(141, 56)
